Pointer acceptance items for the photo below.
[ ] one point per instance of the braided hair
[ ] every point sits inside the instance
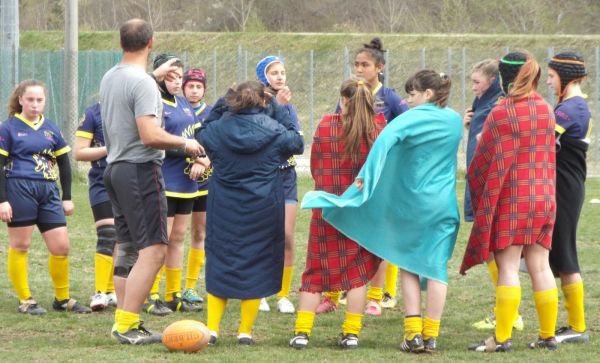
(570, 68)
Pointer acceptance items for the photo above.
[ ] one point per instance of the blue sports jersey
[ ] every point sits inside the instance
(202, 112)
(31, 148)
(180, 120)
(291, 161)
(573, 119)
(387, 102)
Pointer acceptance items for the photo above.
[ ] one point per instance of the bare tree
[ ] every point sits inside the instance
(240, 11)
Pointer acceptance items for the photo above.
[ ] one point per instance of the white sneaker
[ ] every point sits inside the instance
(99, 302)
(112, 299)
(264, 305)
(285, 306)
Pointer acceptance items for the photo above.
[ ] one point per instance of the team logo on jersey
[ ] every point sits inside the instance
(187, 111)
(49, 135)
(44, 164)
(21, 134)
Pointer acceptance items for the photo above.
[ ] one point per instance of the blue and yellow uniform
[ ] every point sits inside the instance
(290, 185)
(202, 112)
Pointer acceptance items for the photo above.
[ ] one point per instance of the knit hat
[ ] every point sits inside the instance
(263, 65)
(569, 66)
(509, 67)
(194, 74)
(161, 59)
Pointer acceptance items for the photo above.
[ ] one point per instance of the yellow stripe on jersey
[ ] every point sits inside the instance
(561, 130)
(84, 134)
(197, 125)
(377, 88)
(167, 102)
(182, 195)
(202, 193)
(589, 133)
(62, 151)
(199, 110)
(3, 152)
(33, 125)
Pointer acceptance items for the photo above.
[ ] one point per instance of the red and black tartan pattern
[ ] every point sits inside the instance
(512, 179)
(333, 261)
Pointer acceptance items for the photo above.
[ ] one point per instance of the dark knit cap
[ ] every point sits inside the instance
(162, 58)
(569, 66)
(509, 67)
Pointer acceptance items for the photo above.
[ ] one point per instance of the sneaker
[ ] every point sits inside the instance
(245, 339)
(156, 306)
(99, 301)
(348, 341)
(70, 305)
(541, 343)
(489, 323)
(414, 345)
(137, 336)
(490, 345)
(568, 335)
(344, 298)
(264, 305)
(31, 307)
(213, 338)
(326, 306)
(429, 345)
(192, 296)
(299, 341)
(373, 308)
(178, 304)
(112, 299)
(285, 306)
(388, 301)
(518, 324)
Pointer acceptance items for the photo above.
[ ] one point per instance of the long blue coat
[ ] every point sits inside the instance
(245, 206)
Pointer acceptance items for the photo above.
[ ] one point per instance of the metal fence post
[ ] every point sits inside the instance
(346, 66)
(423, 58)
(386, 77)
(597, 101)
(449, 71)
(548, 89)
(214, 76)
(311, 89)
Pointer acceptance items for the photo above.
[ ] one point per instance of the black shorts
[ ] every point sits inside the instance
(290, 185)
(102, 211)
(200, 204)
(179, 206)
(137, 194)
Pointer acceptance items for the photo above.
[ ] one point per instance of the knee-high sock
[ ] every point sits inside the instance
(110, 282)
(17, 273)
(391, 279)
(375, 293)
(103, 270)
(126, 320)
(58, 266)
(215, 310)
(194, 266)
(333, 296)
(156, 284)
(508, 299)
(413, 325)
(574, 306)
(172, 282)
(352, 324)
(286, 282)
(304, 322)
(493, 269)
(431, 328)
(546, 304)
(248, 312)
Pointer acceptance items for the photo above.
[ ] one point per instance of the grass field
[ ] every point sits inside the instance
(64, 337)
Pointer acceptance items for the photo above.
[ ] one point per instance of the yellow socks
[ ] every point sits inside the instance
(375, 293)
(304, 322)
(413, 325)
(574, 305)
(286, 282)
(17, 272)
(126, 320)
(103, 265)
(215, 309)
(352, 324)
(508, 299)
(58, 267)
(431, 328)
(249, 311)
(493, 269)
(172, 282)
(391, 279)
(334, 296)
(156, 284)
(194, 266)
(546, 304)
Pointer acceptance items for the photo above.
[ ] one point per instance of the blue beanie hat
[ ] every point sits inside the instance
(263, 65)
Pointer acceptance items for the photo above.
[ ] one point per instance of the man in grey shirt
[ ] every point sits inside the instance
(131, 109)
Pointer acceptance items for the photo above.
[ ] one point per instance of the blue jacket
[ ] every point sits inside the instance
(245, 208)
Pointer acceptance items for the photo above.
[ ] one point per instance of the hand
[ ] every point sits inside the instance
(478, 137)
(196, 171)
(5, 212)
(203, 160)
(284, 96)
(192, 148)
(359, 183)
(68, 207)
(166, 71)
(467, 118)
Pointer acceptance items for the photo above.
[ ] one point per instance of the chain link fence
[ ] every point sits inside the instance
(314, 78)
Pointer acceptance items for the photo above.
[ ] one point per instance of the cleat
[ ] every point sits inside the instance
(326, 306)
(414, 345)
(112, 299)
(568, 335)
(245, 339)
(285, 306)
(348, 341)
(343, 298)
(518, 324)
(156, 306)
(541, 343)
(178, 304)
(388, 301)
(137, 336)
(490, 345)
(70, 305)
(299, 341)
(213, 338)
(489, 323)
(429, 345)
(99, 302)
(264, 305)
(191, 296)
(373, 308)
(31, 307)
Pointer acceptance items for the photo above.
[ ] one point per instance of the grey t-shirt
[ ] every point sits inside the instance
(127, 92)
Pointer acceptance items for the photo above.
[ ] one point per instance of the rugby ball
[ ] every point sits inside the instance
(186, 336)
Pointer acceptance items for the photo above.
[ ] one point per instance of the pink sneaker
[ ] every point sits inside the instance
(373, 308)
(326, 306)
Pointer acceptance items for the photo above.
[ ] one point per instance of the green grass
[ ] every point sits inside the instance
(64, 337)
